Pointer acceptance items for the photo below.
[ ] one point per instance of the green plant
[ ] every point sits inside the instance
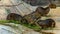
(31, 26)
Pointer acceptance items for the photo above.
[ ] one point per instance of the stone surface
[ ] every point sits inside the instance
(12, 28)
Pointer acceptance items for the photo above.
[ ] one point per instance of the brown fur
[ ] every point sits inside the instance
(43, 11)
(52, 6)
(31, 18)
(46, 23)
(14, 16)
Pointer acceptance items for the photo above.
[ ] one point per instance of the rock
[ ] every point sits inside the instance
(11, 28)
(37, 2)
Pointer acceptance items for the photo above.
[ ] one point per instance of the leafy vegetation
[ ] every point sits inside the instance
(31, 26)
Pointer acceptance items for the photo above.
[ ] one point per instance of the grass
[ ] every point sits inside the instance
(31, 26)
(8, 21)
(34, 27)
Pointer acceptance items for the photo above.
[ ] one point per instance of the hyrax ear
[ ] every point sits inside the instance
(47, 10)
